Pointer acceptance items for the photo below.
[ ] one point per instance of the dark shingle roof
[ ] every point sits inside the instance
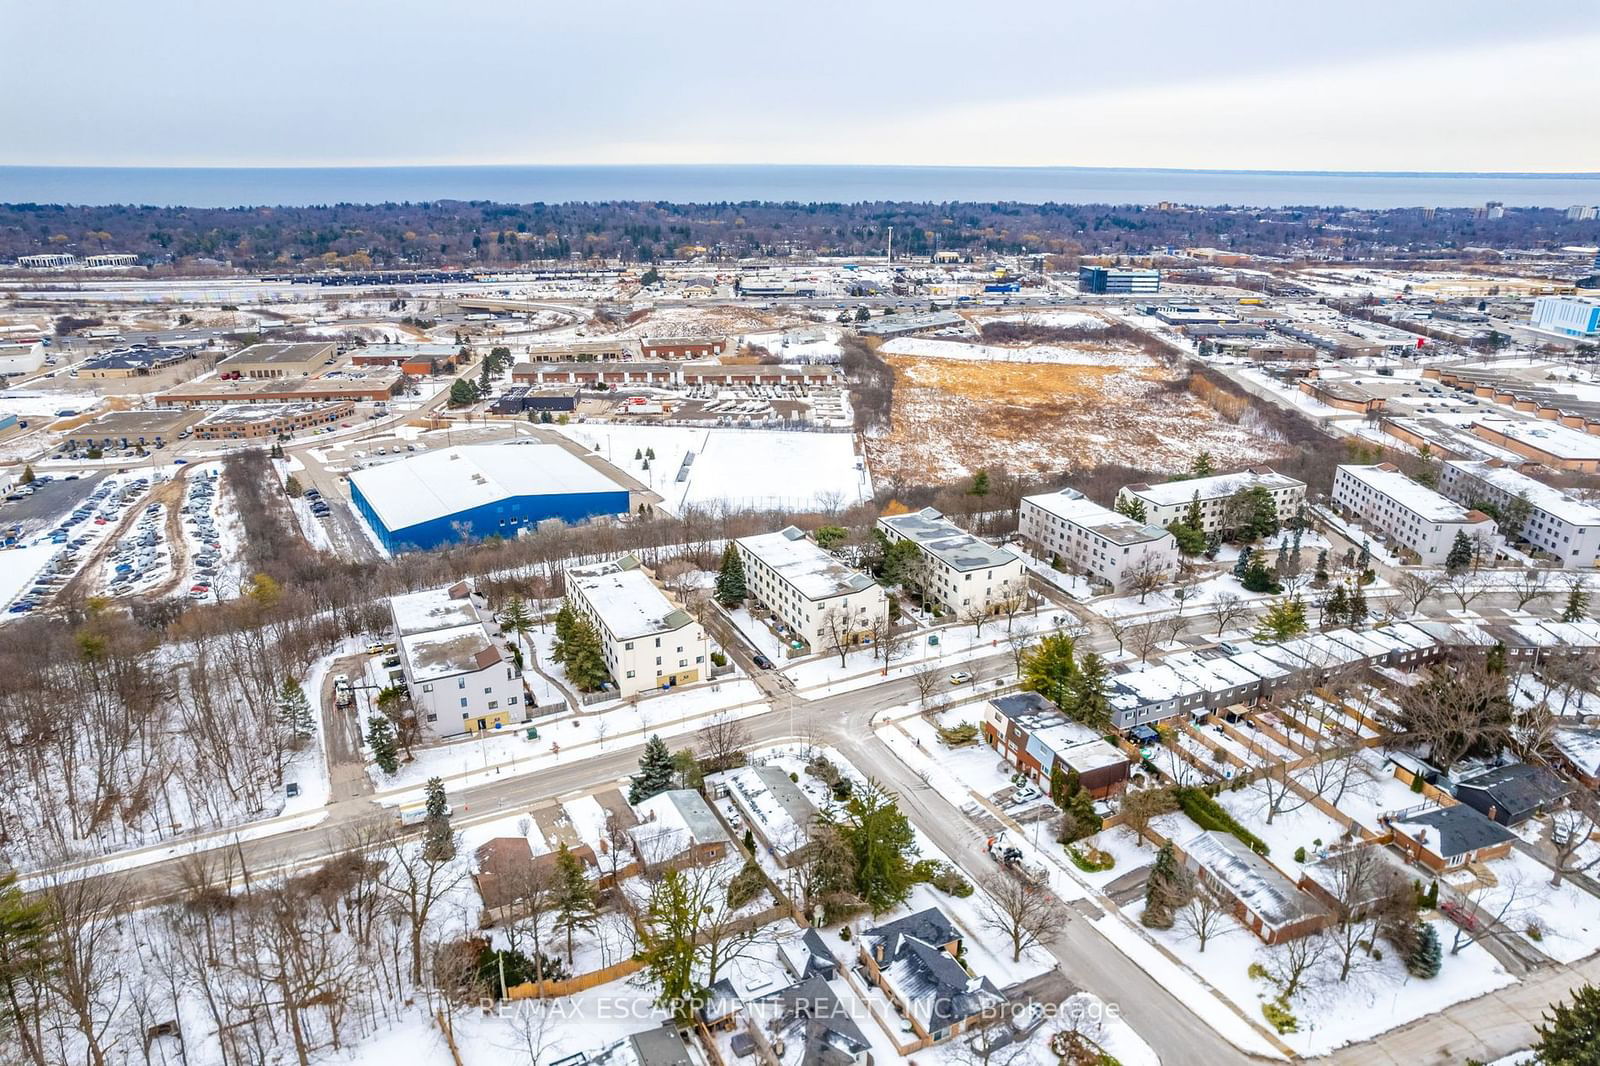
(1517, 789)
(1456, 830)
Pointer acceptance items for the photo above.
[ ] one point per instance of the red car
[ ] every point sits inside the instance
(1460, 914)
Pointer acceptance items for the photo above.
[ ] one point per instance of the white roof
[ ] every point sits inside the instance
(797, 559)
(1170, 493)
(1070, 505)
(1157, 684)
(447, 652)
(431, 609)
(627, 601)
(1252, 880)
(946, 541)
(1544, 497)
(451, 480)
(1557, 440)
(1413, 495)
(1582, 747)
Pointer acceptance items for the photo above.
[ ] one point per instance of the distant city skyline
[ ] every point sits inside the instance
(1366, 86)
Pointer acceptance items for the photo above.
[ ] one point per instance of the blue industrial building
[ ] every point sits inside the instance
(477, 491)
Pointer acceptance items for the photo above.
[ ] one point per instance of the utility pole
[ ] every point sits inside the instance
(891, 244)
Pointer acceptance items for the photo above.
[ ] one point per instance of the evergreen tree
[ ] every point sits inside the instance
(294, 710)
(577, 906)
(1460, 556)
(1061, 784)
(1577, 608)
(438, 842)
(655, 771)
(1257, 578)
(1242, 563)
(1202, 466)
(380, 738)
(980, 484)
(1086, 820)
(1193, 517)
(882, 843)
(585, 660)
(1358, 604)
(1132, 507)
(1320, 577)
(1569, 1035)
(649, 453)
(1166, 890)
(1336, 608)
(28, 477)
(1425, 960)
(1091, 703)
(731, 589)
(566, 621)
(462, 393)
(515, 619)
(1049, 668)
(1286, 618)
(638, 454)
(1190, 541)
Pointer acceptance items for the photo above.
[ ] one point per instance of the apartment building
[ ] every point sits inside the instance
(458, 670)
(1169, 502)
(1093, 540)
(1412, 516)
(1564, 527)
(808, 589)
(962, 573)
(649, 642)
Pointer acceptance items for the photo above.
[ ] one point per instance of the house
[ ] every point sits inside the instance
(807, 1025)
(1411, 515)
(810, 591)
(648, 641)
(660, 1046)
(677, 828)
(1035, 736)
(776, 811)
(1578, 749)
(1513, 793)
(459, 673)
(1102, 544)
(508, 870)
(1443, 838)
(808, 956)
(1262, 898)
(914, 962)
(1170, 501)
(961, 574)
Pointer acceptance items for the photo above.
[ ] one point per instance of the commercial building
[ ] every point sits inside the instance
(605, 349)
(264, 361)
(414, 360)
(1412, 516)
(520, 399)
(961, 573)
(379, 384)
(118, 430)
(1557, 524)
(648, 641)
(1553, 445)
(460, 675)
(477, 491)
(1169, 502)
(1342, 395)
(1119, 280)
(111, 259)
(249, 421)
(682, 347)
(809, 590)
(20, 357)
(1568, 316)
(1102, 544)
(136, 360)
(48, 261)
(902, 325)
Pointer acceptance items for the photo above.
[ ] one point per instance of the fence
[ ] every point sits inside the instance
(573, 985)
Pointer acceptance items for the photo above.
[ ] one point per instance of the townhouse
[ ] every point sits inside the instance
(1170, 501)
(1104, 545)
(1410, 515)
(1035, 736)
(648, 641)
(809, 590)
(961, 572)
(1559, 525)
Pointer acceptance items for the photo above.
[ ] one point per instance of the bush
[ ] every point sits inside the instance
(841, 789)
(1280, 1017)
(1091, 859)
(959, 735)
(943, 876)
(718, 659)
(1207, 813)
(746, 885)
(1300, 854)
(822, 768)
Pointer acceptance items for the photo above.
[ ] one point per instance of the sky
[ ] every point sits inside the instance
(1398, 85)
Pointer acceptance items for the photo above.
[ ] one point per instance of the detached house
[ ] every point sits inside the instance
(914, 962)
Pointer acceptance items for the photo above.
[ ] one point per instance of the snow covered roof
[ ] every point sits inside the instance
(1252, 880)
(1220, 486)
(946, 541)
(681, 811)
(1449, 831)
(775, 803)
(1414, 496)
(797, 559)
(1258, 664)
(431, 609)
(1546, 436)
(1090, 755)
(1226, 672)
(936, 989)
(1157, 684)
(1581, 747)
(626, 601)
(440, 483)
(447, 652)
(1072, 506)
(1544, 497)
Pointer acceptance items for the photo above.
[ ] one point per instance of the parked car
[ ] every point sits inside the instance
(762, 661)
(960, 677)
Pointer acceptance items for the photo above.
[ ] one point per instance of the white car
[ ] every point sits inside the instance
(960, 677)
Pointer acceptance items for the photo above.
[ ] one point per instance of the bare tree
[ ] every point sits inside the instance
(1415, 586)
(1147, 636)
(1202, 918)
(1360, 879)
(976, 615)
(418, 879)
(1294, 962)
(837, 631)
(1019, 644)
(1465, 587)
(1529, 585)
(1011, 598)
(724, 743)
(1118, 628)
(1572, 828)
(1517, 902)
(1146, 576)
(1141, 806)
(927, 679)
(1023, 913)
(1226, 610)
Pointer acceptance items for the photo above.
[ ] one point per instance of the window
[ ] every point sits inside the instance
(433, 718)
(493, 704)
(630, 673)
(628, 646)
(461, 682)
(463, 703)
(488, 689)
(427, 688)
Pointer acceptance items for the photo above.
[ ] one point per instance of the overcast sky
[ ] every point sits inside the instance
(1353, 85)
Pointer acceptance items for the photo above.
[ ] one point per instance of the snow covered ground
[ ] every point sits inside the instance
(932, 348)
(763, 469)
(1568, 917)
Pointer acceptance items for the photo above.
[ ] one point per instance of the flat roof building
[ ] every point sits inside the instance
(962, 573)
(1551, 444)
(1169, 502)
(129, 429)
(479, 490)
(375, 384)
(135, 360)
(1558, 525)
(1567, 316)
(1104, 545)
(460, 675)
(811, 591)
(1410, 515)
(648, 641)
(260, 361)
(1113, 280)
(249, 421)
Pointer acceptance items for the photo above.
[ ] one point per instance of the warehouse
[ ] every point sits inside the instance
(477, 491)
(263, 361)
(129, 429)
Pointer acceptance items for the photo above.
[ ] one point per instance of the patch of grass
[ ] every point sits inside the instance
(1090, 859)
(959, 735)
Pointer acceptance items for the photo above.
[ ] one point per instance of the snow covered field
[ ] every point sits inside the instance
(763, 469)
(930, 348)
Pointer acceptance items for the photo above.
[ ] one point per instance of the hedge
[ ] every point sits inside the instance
(1207, 813)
